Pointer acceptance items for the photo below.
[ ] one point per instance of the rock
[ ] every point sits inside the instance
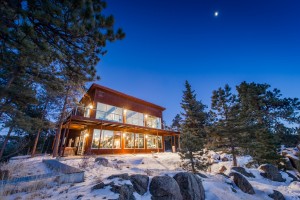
(120, 161)
(4, 174)
(242, 183)
(190, 185)
(222, 169)
(224, 159)
(98, 186)
(124, 176)
(241, 170)
(126, 192)
(164, 188)
(102, 161)
(271, 172)
(287, 165)
(295, 162)
(276, 195)
(292, 176)
(140, 183)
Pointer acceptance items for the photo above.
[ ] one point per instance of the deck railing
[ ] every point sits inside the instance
(108, 116)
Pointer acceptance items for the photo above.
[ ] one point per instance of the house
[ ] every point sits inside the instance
(111, 122)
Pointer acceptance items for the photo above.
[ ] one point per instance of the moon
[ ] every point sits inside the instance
(216, 14)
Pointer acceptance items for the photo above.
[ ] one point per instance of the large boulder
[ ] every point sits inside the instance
(276, 195)
(164, 188)
(126, 192)
(271, 172)
(241, 170)
(190, 185)
(140, 183)
(242, 183)
(102, 161)
(294, 161)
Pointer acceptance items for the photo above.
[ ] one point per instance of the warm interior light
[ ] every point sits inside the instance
(146, 136)
(125, 111)
(146, 116)
(91, 106)
(124, 134)
(86, 135)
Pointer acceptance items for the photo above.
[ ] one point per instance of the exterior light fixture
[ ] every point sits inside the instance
(86, 135)
(91, 106)
(146, 136)
(125, 110)
(146, 116)
(124, 134)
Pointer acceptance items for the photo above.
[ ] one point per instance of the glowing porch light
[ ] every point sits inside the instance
(91, 106)
(86, 135)
(124, 134)
(146, 116)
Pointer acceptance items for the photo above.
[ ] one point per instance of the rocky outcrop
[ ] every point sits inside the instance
(102, 161)
(242, 183)
(98, 186)
(276, 195)
(271, 172)
(292, 176)
(124, 176)
(140, 183)
(241, 170)
(164, 188)
(125, 191)
(190, 185)
(295, 162)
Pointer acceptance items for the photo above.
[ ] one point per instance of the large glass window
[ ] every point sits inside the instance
(153, 122)
(134, 118)
(139, 141)
(154, 142)
(129, 140)
(108, 112)
(108, 139)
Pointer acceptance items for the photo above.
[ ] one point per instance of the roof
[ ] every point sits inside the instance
(96, 86)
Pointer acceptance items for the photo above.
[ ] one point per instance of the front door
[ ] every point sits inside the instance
(81, 144)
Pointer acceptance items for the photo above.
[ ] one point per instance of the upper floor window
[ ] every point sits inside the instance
(134, 118)
(153, 122)
(108, 112)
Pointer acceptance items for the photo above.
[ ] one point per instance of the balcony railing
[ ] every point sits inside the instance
(108, 116)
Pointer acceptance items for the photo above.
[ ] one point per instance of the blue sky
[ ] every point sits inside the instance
(168, 42)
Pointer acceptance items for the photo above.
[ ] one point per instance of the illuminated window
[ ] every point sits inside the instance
(154, 142)
(139, 141)
(108, 112)
(134, 118)
(153, 122)
(129, 140)
(106, 139)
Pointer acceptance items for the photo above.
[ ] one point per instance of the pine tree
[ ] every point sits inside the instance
(193, 133)
(227, 130)
(176, 123)
(264, 109)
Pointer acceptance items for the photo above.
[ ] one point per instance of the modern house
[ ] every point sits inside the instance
(111, 122)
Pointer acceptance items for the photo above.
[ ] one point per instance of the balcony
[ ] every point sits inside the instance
(127, 117)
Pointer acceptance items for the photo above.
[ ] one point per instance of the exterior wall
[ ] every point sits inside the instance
(122, 102)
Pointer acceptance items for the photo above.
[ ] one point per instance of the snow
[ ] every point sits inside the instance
(216, 186)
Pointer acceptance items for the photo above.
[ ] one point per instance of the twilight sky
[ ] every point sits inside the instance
(170, 41)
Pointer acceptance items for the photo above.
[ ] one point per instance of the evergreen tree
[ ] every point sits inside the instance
(193, 133)
(264, 109)
(176, 123)
(227, 131)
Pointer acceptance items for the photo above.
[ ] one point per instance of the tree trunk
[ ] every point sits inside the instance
(233, 156)
(35, 143)
(5, 141)
(58, 131)
(192, 161)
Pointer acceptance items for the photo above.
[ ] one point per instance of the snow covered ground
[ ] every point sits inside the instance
(216, 186)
